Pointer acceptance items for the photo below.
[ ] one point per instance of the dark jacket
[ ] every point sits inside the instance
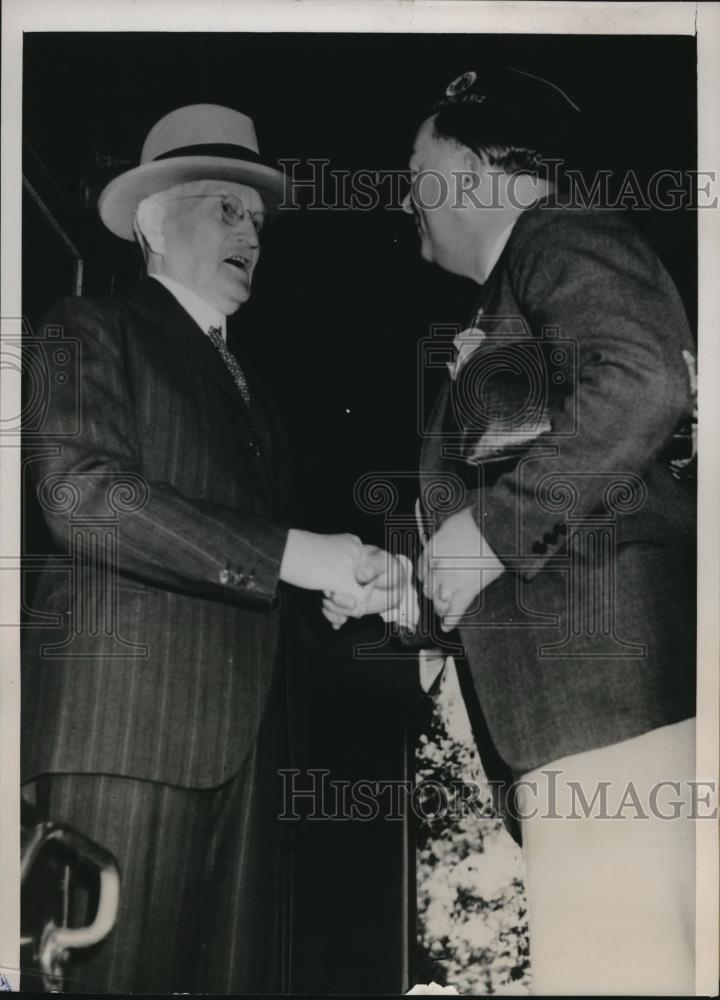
(553, 434)
(153, 640)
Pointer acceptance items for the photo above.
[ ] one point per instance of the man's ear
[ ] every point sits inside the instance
(473, 161)
(475, 166)
(149, 222)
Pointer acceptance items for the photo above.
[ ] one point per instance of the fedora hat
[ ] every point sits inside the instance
(198, 142)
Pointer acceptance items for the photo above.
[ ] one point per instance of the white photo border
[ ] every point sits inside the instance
(390, 16)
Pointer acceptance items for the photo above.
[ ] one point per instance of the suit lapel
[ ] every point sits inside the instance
(156, 305)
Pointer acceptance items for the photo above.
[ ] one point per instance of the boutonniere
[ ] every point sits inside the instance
(465, 343)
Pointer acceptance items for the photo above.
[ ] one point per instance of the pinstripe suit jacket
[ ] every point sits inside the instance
(156, 635)
(555, 428)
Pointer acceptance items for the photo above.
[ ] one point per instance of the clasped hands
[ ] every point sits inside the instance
(359, 580)
(363, 578)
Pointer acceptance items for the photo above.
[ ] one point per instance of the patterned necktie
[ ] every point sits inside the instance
(231, 362)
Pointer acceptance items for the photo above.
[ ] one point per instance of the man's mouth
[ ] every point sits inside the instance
(239, 261)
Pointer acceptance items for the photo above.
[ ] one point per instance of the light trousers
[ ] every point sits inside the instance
(610, 876)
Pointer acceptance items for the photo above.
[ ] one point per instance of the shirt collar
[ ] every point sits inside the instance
(204, 314)
(467, 341)
(498, 248)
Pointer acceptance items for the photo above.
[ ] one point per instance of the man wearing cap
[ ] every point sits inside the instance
(154, 702)
(567, 559)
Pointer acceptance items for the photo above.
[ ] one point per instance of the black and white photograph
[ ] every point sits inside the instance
(360, 498)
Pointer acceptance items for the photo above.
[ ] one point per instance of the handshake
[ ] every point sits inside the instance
(357, 580)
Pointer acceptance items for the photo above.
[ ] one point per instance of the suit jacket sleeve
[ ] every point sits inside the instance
(165, 538)
(598, 282)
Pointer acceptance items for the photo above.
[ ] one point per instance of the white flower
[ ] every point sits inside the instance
(465, 343)
(478, 932)
(487, 875)
(438, 921)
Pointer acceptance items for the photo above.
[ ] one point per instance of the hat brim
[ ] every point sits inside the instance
(121, 197)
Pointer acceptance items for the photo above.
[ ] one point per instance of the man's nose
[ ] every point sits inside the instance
(248, 230)
(407, 204)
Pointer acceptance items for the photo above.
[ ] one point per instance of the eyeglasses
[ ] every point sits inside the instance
(232, 210)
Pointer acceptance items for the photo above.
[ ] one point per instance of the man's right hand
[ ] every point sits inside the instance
(383, 578)
(322, 562)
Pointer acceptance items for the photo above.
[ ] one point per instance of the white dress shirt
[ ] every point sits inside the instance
(204, 314)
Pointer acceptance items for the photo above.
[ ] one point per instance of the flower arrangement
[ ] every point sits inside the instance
(471, 900)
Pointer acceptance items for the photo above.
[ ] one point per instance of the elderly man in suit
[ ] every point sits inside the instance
(566, 557)
(154, 711)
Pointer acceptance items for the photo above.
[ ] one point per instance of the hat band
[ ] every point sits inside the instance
(228, 150)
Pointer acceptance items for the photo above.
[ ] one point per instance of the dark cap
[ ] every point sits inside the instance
(512, 107)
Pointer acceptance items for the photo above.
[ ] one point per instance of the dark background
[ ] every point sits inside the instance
(340, 301)
(341, 298)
